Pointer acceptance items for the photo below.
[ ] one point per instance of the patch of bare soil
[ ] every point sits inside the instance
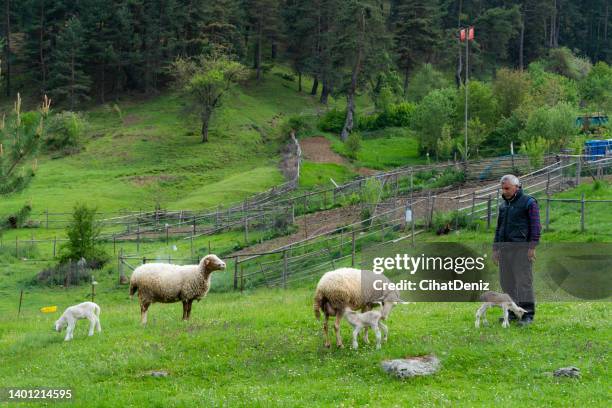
(318, 149)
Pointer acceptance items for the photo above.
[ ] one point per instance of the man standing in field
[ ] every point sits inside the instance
(516, 237)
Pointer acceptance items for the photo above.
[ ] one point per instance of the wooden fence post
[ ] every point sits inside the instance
(431, 213)
(285, 269)
(489, 212)
(54, 245)
(547, 211)
(236, 262)
(353, 250)
(20, 302)
(578, 170)
(582, 213)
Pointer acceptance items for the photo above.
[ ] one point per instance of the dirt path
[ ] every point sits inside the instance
(318, 149)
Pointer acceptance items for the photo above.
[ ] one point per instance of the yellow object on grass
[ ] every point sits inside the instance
(48, 309)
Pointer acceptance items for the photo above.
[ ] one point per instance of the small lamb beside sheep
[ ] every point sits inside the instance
(168, 283)
(496, 299)
(354, 288)
(370, 319)
(85, 310)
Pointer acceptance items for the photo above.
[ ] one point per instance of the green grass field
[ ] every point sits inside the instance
(265, 348)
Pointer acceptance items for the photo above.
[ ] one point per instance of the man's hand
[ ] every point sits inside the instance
(496, 256)
(531, 254)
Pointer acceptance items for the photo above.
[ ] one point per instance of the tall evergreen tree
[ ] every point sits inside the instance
(67, 79)
(416, 29)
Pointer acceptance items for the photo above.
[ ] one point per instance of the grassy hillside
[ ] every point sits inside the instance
(153, 154)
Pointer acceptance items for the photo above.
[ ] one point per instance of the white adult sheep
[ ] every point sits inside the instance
(168, 283)
(85, 310)
(354, 288)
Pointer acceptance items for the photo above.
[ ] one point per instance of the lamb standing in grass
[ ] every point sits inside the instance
(167, 283)
(359, 321)
(503, 300)
(353, 288)
(85, 310)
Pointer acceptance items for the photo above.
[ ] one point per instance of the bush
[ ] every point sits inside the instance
(333, 120)
(64, 274)
(395, 115)
(425, 80)
(535, 149)
(296, 123)
(19, 219)
(83, 233)
(64, 132)
(352, 145)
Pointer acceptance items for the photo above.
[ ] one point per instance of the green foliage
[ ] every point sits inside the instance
(352, 145)
(550, 88)
(204, 80)
(371, 192)
(435, 110)
(423, 81)
(535, 148)
(296, 123)
(68, 81)
(556, 124)
(333, 120)
(496, 28)
(511, 90)
(482, 105)
(395, 115)
(444, 145)
(563, 62)
(596, 87)
(20, 137)
(19, 219)
(83, 234)
(64, 132)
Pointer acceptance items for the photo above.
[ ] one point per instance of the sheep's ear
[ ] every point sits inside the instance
(206, 261)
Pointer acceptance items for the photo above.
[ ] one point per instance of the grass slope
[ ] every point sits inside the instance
(153, 155)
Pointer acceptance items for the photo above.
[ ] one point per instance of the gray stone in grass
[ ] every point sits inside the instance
(159, 373)
(573, 372)
(412, 366)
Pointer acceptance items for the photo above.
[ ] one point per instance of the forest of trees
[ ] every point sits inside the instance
(76, 50)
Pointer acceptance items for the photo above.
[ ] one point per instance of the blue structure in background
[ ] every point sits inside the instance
(596, 149)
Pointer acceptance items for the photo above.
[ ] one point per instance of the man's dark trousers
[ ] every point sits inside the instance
(516, 275)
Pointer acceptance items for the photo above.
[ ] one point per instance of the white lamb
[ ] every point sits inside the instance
(367, 319)
(353, 288)
(168, 283)
(503, 300)
(85, 310)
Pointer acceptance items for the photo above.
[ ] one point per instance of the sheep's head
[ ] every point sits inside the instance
(59, 324)
(519, 312)
(211, 263)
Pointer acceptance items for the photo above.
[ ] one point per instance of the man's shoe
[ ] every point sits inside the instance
(525, 321)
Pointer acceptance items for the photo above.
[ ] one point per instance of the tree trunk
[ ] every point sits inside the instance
(350, 99)
(405, 82)
(522, 44)
(72, 84)
(350, 110)
(43, 68)
(273, 51)
(205, 123)
(324, 92)
(315, 86)
(460, 61)
(7, 54)
(299, 81)
(258, 54)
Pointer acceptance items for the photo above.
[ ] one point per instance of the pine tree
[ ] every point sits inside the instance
(67, 80)
(416, 28)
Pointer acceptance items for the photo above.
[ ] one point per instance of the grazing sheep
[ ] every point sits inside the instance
(167, 283)
(85, 310)
(367, 319)
(503, 300)
(353, 288)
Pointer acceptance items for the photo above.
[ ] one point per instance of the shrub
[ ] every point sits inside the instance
(66, 274)
(535, 149)
(352, 145)
(83, 233)
(64, 132)
(333, 120)
(20, 218)
(296, 123)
